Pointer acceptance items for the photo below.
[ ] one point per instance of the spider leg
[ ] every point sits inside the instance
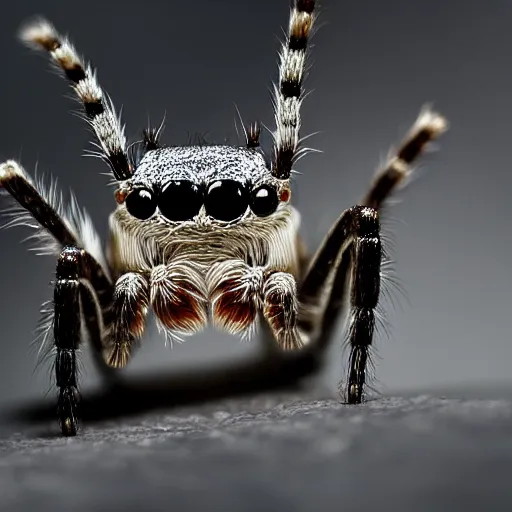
(253, 132)
(80, 294)
(288, 93)
(60, 230)
(356, 233)
(18, 184)
(281, 309)
(99, 110)
(130, 304)
(82, 283)
(67, 336)
(114, 317)
(427, 128)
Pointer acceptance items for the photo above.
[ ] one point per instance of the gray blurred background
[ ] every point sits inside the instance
(374, 65)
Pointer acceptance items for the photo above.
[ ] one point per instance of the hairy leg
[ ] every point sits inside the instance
(357, 233)
(397, 169)
(130, 305)
(74, 289)
(82, 283)
(289, 92)
(99, 110)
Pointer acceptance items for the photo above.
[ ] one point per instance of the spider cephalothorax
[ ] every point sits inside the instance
(205, 233)
(219, 209)
(203, 186)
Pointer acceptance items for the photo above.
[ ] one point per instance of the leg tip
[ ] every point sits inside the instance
(117, 355)
(8, 169)
(66, 410)
(354, 394)
(69, 427)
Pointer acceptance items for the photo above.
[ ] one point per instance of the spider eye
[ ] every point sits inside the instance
(226, 200)
(141, 203)
(180, 200)
(264, 200)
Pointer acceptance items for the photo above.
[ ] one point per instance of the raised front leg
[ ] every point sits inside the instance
(240, 292)
(397, 169)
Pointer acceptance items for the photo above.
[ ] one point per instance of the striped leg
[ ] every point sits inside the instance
(99, 110)
(288, 94)
(427, 128)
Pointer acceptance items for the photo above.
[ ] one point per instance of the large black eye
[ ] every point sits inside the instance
(226, 200)
(264, 200)
(180, 200)
(141, 203)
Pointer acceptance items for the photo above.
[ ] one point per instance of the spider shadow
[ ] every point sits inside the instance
(272, 372)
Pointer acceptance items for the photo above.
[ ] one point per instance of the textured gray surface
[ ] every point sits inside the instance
(280, 453)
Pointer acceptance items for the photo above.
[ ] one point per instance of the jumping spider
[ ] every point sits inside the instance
(204, 231)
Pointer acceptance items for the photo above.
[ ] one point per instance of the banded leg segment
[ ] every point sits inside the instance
(79, 293)
(288, 93)
(356, 233)
(99, 110)
(427, 128)
(365, 279)
(67, 336)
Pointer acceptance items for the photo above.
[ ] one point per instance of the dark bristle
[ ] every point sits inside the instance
(253, 135)
(283, 163)
(150, 139)
(119, 162)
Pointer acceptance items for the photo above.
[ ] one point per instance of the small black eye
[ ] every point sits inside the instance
(180, 200)
(141, 203)
(226, 200)
(264, 200)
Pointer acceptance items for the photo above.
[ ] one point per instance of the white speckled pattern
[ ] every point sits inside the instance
(202, 165)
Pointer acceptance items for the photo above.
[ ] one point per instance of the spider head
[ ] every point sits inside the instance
(203, 186)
